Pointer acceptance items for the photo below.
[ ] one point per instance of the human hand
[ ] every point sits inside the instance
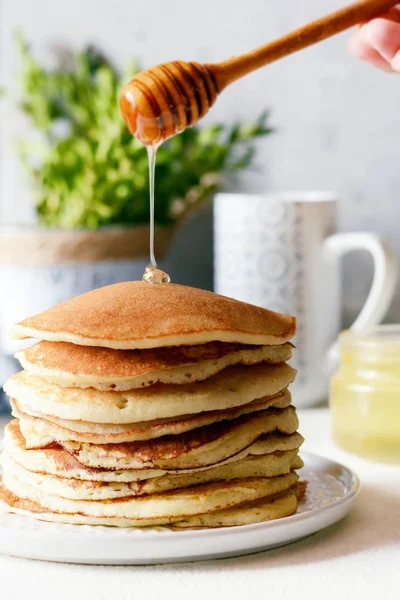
(378, 41)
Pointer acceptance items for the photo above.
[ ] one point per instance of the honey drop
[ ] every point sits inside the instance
(155, 275)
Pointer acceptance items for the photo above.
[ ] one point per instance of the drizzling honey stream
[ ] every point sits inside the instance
(152, 274)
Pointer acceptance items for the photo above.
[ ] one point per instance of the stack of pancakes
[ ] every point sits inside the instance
(151, 405)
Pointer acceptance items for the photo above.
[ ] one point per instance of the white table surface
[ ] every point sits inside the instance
(358, 558)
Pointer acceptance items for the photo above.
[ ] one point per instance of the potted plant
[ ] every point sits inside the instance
(90, 183)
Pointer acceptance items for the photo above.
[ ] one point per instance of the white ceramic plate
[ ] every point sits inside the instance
(331, 491)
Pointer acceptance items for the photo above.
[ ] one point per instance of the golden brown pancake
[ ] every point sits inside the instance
(270, 507)
(269, 465)
(107, 369)
(41, 431)
(160, 508)
(54, 460)
(200, 447)
(139, 315)
(266, 509)
(234, 386)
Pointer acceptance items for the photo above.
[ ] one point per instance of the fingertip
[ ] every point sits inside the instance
(375, 31)
(362, 50)
(395, 63)
(382, 35)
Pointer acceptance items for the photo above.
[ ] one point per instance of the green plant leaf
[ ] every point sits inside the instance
(86, 168)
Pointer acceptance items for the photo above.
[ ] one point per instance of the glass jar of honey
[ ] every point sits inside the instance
(365, 393)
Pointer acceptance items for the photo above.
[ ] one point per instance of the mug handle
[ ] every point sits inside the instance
(383, 283)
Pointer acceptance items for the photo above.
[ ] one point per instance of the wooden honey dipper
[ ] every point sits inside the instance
(167, 98)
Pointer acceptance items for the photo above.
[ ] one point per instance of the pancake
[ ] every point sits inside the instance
(271, 465)
(232, 387)
(56, 461)
(272, 507)
(106, 369)
(266, 509)
(138, 315)
(200, 447)
(41, 431)
(159, 508)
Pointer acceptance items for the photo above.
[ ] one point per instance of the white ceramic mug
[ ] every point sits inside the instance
(280, 251)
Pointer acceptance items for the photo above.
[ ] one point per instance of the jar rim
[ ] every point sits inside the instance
(379, 340)
(378, 332)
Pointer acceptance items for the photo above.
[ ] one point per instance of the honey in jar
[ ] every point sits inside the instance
(365, 393)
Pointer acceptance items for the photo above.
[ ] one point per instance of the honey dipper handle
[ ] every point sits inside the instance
(228, 71)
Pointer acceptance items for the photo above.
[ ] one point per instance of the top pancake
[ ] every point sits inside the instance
(137, 314)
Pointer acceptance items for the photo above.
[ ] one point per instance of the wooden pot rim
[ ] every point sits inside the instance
(32, 245)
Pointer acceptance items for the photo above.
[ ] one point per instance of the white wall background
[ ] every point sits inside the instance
(338, 121)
